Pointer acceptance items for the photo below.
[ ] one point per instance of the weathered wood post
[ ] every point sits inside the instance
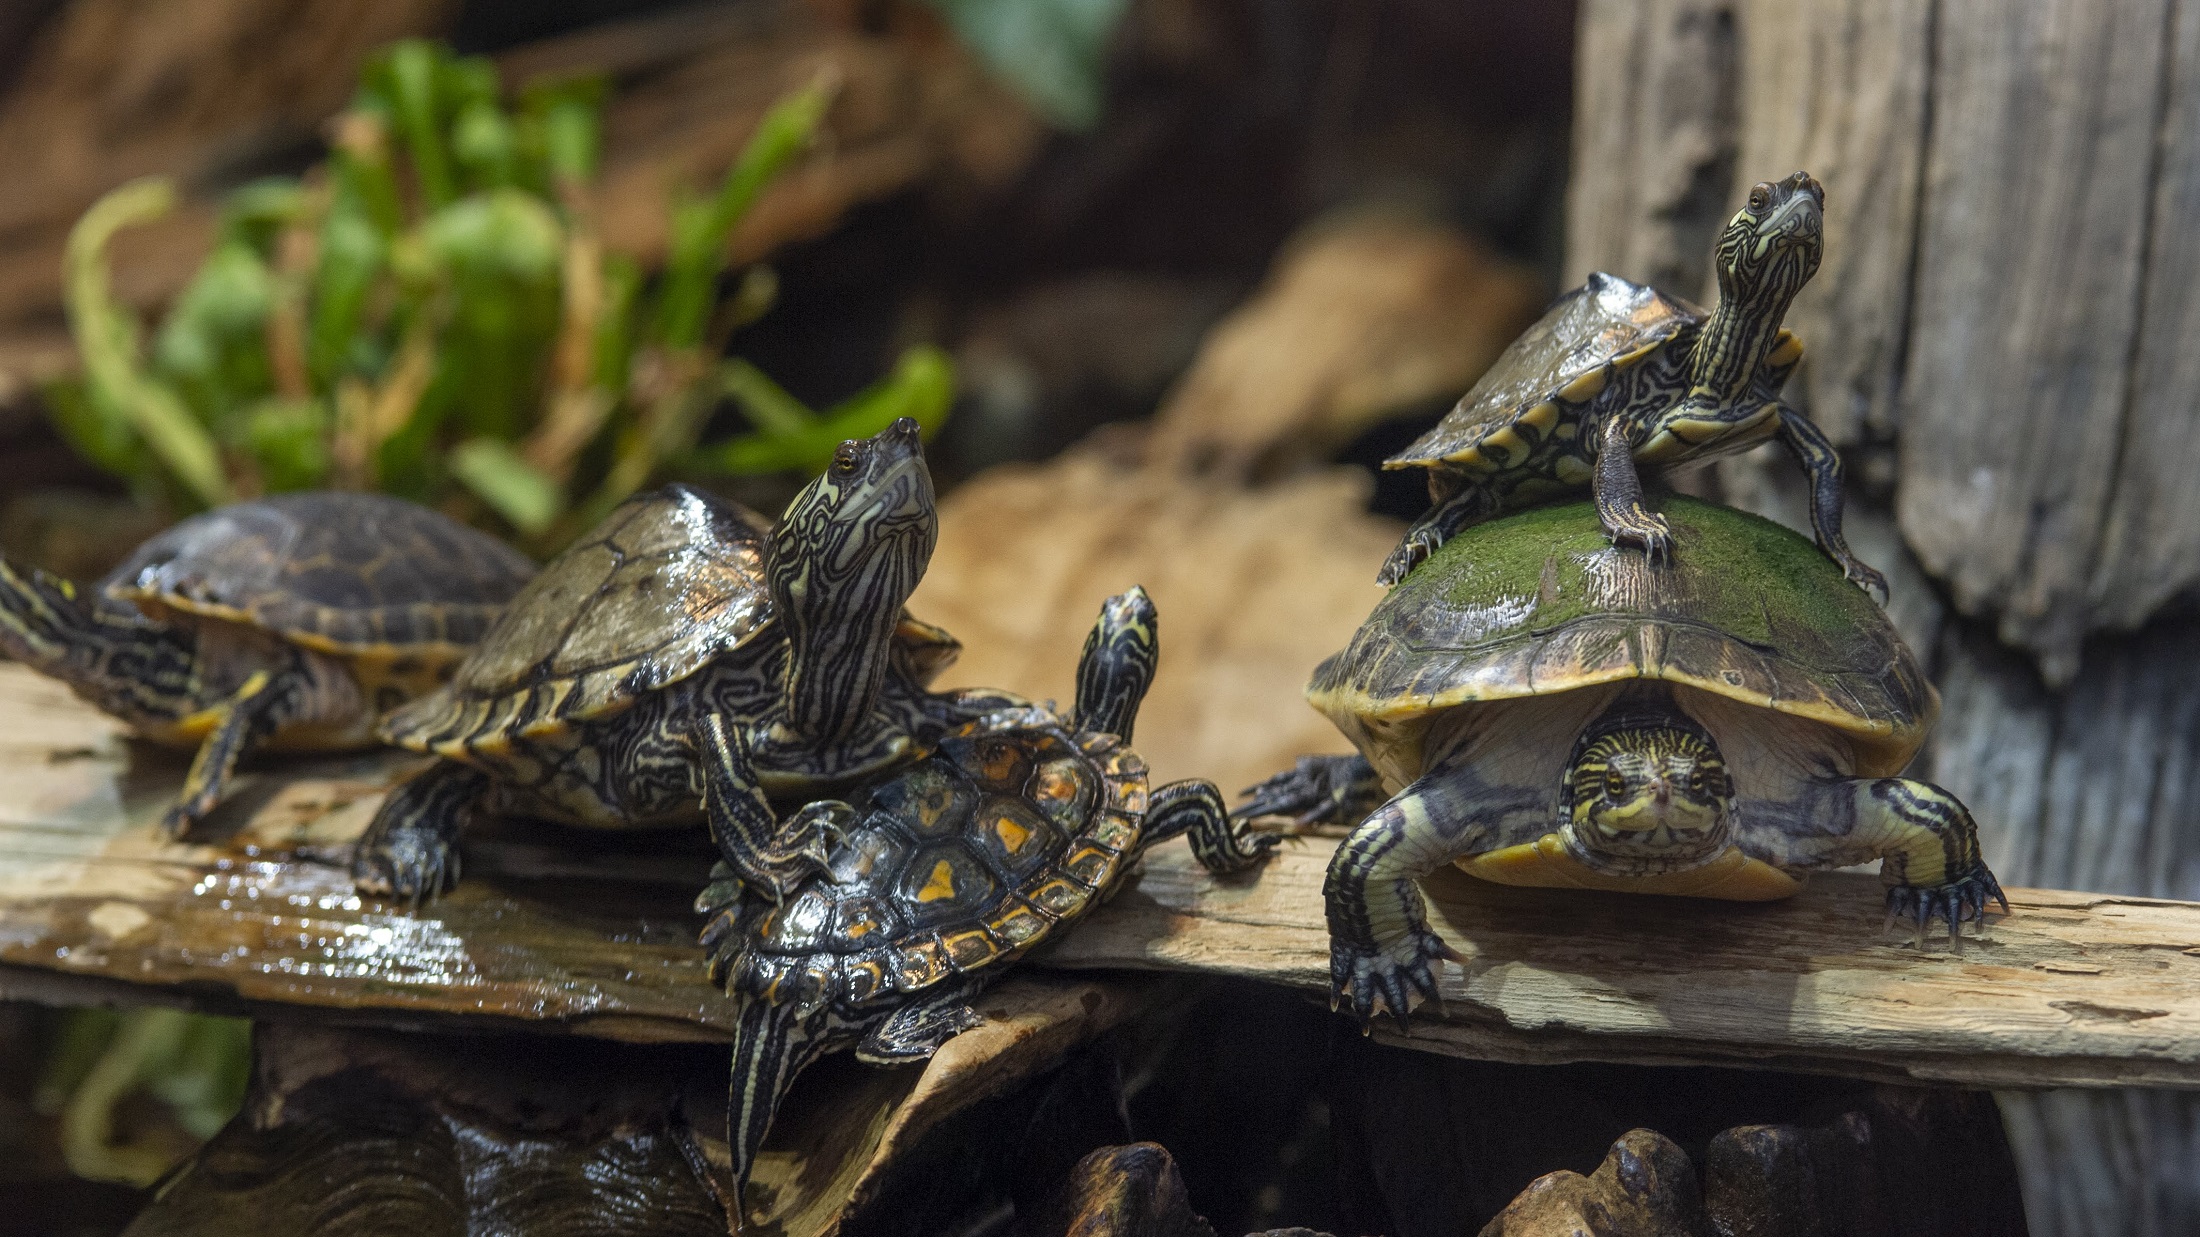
(2001, 341)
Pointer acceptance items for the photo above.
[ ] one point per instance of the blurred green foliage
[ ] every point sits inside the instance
(195, 1068)
(430, 312)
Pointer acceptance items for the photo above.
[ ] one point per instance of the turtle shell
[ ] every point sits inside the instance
(362, 577)
(1540, 602)
(668, 583)
(965, 859)
(1604, 328)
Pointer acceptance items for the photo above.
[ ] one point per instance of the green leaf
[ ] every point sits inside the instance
(570, 111)
(351, 254)
(922, 387)
(700, 229)
(490, 468)
(107, 341)
(289, 438)
(213, 345)
(414, 67)
(768, 406)
(486, 146)
(1054, 52)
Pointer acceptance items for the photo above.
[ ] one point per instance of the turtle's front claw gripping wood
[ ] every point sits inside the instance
(289, 624)
(1617, 375)
(1019, 822)
(1547, 709)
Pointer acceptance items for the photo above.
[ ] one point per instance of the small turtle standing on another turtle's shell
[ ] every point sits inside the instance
(943, 872)
(288, 623)
(678, 658)
(1545, 709)
(1617, 375)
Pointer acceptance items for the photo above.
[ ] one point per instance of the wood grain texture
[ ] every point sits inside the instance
(2071, 990)
(2029, 272)
(1654, 139)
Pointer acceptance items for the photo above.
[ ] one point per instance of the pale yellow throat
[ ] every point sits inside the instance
(1544, 863)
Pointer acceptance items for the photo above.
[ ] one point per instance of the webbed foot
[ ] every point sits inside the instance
(725, 906)
(1637, 525)
(407, 862)
(1412, 550)
(1458, 501)
(1862, 576)
(1366, 981)
(1955, 903)
(410, 852)
(185, 813)
(801, 850)
(1318, 790)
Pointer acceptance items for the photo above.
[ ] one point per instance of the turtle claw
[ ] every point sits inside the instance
(1365, 983)
(1411, 552)
(1649, 531)
(1865, 578)
(1337, 790)
(411, 866)
(1955, 902)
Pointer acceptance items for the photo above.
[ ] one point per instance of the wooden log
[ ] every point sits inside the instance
(2071, 990)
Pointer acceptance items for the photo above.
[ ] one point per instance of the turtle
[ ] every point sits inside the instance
(612, 691)
(1016, 823)
(1617, 374)
(1543, 708)
(286, 623)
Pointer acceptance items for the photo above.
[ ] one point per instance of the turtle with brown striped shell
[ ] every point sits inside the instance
(683, 635)
(1540, 707)
(1618, 374)
(288, 623)
(1018, 822)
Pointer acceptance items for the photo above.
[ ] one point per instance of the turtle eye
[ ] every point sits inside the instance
(1760, 197)
(1615, 784)
(844, 458)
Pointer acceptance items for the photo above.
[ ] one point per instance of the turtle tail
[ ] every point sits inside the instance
(772, 1042)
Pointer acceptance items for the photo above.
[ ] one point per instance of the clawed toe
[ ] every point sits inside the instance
(1367, 983)
(1954, 903)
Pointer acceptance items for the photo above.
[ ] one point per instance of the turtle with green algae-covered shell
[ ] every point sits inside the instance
(288, 623)
(614, 689)
(1545, 709)
(945, 871)
(1617, 374)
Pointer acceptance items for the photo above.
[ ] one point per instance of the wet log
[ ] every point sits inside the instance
(547, 931)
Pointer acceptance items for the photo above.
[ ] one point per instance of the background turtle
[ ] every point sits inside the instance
(1553, 711)
(289, 623)
(1617, 374)
(1017, 823)
(614, 690)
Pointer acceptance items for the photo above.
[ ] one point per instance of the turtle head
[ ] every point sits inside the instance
(842, 560)
(1771, 246)
(1118, 664)
(1647, 794)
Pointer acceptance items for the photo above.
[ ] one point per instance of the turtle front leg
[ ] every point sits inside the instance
(1194, 807)
(1458, 502)
(410, 852)
(1318, 790)
(1381, 949)
(1821, 464)
(768, 856)
(1618, 491)
(1924, 837)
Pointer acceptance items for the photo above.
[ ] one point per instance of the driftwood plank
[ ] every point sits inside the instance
(2072, 990)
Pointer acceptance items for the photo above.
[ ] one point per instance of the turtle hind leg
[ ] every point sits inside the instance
(1821, 465)
(1196, 809)
(1318, 790)
(1617, 488)
(916, 1030)
(1929, 852)
(410, 852)
(772, 1043)
(1458, 502)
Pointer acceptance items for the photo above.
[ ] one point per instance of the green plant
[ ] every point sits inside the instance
(195, 1066)
(431, 312)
